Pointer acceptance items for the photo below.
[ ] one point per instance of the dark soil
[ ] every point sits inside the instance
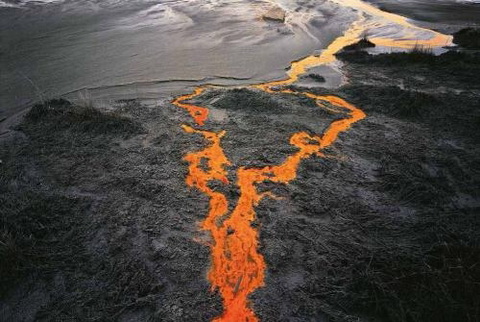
(96, 222)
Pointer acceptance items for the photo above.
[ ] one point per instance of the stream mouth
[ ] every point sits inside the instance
(130, 49)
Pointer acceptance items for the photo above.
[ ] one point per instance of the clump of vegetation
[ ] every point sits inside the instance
(61, 114)
(421, 54)
(55, 106)
(417, 55)
(248, 100)
(421, 50)
(467, 38)
(363, 43)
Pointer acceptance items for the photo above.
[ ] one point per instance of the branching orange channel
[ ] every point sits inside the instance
(237, 268)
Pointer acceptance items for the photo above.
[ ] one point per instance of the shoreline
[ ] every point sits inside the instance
(55, 87)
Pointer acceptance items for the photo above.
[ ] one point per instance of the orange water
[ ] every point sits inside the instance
(237, 268)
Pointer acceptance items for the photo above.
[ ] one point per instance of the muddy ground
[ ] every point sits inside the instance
(97, 224)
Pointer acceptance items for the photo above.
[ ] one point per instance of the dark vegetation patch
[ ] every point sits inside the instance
(43, 238)
(393, 101)
(467, 38)
(449, 112)
(413, 57)
(435, 279)
(456, 62)
(45, 233)
(249, 101)
(61, 258)
(363, 43)
(106, 288)
(37, 233)
(60, 114)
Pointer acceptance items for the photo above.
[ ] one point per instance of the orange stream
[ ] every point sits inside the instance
(237, 267)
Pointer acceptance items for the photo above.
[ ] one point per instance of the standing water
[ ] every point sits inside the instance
(135, 49)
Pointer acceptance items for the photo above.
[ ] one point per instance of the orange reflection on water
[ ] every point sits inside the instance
(237, 268)
(300, 67)
(413, 35)
(198, 113)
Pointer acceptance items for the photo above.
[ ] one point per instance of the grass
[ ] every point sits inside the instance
(409, 183)
(423, 264)
(405, 103)
(45, 236)
(423, 267)
(413, 104)
(38, 232)
(60, 114)
(436, 278)
(45, 232)
(37, 229)
(419, 49)
(408, 101)
(438, 284)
